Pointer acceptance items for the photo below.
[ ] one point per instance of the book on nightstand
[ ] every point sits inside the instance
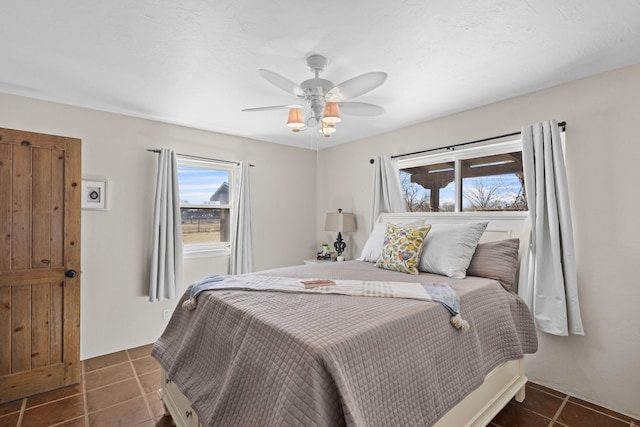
(329, 256)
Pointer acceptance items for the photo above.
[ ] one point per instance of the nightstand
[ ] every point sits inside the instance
(314, 261)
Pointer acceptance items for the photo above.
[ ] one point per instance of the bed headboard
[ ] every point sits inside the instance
(502, 225)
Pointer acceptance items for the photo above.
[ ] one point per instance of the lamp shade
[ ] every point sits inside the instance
(295, 121)
(331, 113)
(327, 128)
(340, 222)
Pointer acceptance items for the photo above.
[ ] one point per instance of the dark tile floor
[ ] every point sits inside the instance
(120, 389)
(545, 407)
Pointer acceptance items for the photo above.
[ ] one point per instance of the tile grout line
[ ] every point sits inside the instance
(63, 422)
(548, 391)
(602, 413)
(533, 411)
(110, 384)
(47, 402)
(113, 405)
(129, 362)
(22, 409)
(118, 403)
(108, 366)
(562, 405)
(84, 396)
(144, 397)
(596, 410)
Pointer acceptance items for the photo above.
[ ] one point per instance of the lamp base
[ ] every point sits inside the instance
(339, 245)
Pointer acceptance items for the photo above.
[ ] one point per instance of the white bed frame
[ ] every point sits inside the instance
(500, 385)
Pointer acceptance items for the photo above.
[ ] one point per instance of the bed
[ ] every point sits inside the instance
(256, 358)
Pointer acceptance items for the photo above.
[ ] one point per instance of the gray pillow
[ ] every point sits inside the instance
(448, 248)
(496, 260)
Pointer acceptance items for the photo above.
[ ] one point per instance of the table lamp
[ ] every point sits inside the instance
(341, 222)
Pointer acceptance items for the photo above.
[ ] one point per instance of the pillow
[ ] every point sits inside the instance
(496, 260)
(375, 242)
(449, 248)
(402, 248)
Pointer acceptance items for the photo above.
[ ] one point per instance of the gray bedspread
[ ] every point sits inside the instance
(248, 358)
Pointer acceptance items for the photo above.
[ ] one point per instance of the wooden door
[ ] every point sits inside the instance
(40, 190)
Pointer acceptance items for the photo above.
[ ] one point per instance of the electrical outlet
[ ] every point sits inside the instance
(166, 314)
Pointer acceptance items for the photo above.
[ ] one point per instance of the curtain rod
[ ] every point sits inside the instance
(561, 125)
(156, 150)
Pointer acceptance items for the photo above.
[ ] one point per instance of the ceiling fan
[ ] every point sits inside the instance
(324, 100)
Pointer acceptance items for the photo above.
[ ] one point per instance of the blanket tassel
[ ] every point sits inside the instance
(190, 304)
(459, 323)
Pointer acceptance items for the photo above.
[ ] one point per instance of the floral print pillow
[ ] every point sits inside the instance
(402, 248)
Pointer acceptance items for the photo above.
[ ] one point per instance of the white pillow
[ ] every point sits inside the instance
(448, 248)
(373, 247)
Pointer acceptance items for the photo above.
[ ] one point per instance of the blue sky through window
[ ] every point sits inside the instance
(197, 185)
(505, 188)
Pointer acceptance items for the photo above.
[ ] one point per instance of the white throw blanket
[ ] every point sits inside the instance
(432, 292)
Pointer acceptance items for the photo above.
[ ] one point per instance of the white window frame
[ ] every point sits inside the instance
(213, 249)
(457, 156)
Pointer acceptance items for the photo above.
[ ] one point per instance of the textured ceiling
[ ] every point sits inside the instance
(195, 63)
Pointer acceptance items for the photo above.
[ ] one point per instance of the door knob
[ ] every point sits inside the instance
(71, 273)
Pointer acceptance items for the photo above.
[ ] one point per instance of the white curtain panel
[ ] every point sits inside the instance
(241, 248)
(387, 190)
(549, 284)
(166, 256)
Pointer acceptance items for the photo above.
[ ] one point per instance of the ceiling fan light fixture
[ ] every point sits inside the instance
(323, 98)
(295, 120)
(331, 113)
(327, 128)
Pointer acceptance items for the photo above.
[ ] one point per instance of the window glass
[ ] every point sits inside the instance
(493, 183)
(204, 203)
(487, 178)
(429, 188)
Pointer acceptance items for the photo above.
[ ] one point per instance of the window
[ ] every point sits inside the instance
(487, 178)
(205, 196)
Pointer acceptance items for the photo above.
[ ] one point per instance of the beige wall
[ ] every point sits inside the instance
(115, 313)
(603, 152)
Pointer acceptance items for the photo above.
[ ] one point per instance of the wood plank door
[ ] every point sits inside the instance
(40, 191)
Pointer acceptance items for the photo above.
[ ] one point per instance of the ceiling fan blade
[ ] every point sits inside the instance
(363, 109)
(356, 86)
(273, 107)
(281, 82)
